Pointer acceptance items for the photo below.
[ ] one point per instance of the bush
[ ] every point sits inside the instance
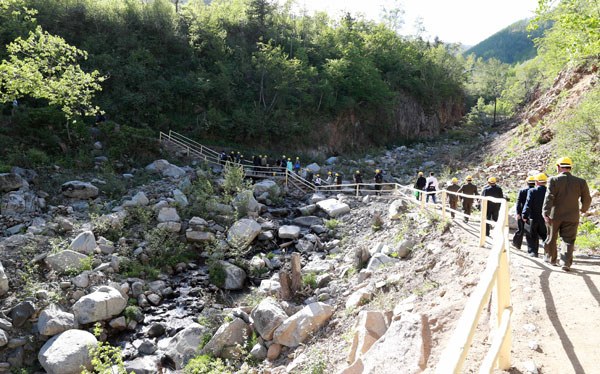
(206, 364)
(217, 274)
(105, 358)
(234, 180)
(310, 279)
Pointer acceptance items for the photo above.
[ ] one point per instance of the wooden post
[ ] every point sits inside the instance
(286, 284)
(296, 273)
(395, 189)
(286, 176)
(357, 190)
(443, 204)
(422, 200)
(188, 151)
(483, 215)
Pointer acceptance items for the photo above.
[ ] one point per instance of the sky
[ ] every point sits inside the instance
(456, 21)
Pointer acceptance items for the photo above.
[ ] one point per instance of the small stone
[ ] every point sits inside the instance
(274, 351)
(119, 323)
(533, 345)
(154, 299)
(531, 367)
(530, 327)
(533, 309)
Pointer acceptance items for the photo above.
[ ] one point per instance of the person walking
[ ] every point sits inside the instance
(318, 181)
(378, 181)
(532, 215)
(432, 186)
(309, 175)
(420, 184)
(561, 211)
(468, 189)
(297, 166)
(358, 179)
(338, 179)
(264, 163)
(223, 158)
(289, 165)
(329, 179)
(453, 199)
(521, 198)
(492, 190)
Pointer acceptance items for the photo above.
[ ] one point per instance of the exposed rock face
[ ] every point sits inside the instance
(234, 276)
(84, 243)
(67, 352)
(3, 281)
(369, 327)
(103, 304)
(242, 233)
(79, 190)
(18, 202)
(10, 182)
(66, 260)
(53, 321)
(228, 339)
(267, 316)
(297, 328)
(333, 207)
(184, 345)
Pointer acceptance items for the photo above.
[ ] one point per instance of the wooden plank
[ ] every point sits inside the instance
(482, 230)
(501, 336)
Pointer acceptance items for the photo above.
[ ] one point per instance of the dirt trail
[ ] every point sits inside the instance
(567, 317)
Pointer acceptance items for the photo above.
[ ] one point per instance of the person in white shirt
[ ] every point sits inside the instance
(431, 185)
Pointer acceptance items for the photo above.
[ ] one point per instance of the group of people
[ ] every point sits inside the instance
(545, 209)
(337, 178)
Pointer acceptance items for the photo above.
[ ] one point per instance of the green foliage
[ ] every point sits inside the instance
(310, 280)
(131, 312)
(332, 224)
(234, 180)
(206, 364)
(217, 274)
(106, 359)
(513, 44)
(199, 194)
(588, 235)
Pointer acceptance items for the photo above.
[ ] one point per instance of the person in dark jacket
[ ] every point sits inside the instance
(223, 158)
(338, 179)
(420, 184)
(358, 179)
(309, 175)
(561, 211)
(297, 166)
(232, 156)
(492, 190)
(521, 198)
(453, 199)
(532, 215)
(468, 189)
(378, 180)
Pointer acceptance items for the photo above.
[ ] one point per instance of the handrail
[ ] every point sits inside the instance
(495, 274)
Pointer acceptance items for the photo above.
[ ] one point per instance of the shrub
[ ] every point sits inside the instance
(234, 180)
(106, 359)
(310, 280)
(206, 364)
(217, 274)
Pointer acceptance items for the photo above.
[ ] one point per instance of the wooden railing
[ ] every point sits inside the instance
(496, 273)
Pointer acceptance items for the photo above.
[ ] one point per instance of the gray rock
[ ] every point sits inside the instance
(405, 247)
(170, 226)
(314, 167)
(305, 246)
(308, 221)
(397, 208)
(156, 330)
(3, 281)
(184, 345)
(79, 190)
(18, 202)
(142, 365)
(3, 338)
(119, 323)
(308, 210)
(331, 160)
(84, 243)
(317, 197)
(267, 316)
(21, 312)
(165, 169)
(103, 304)
(168, 214)
(268, 186)
(147, 347)
(333, 207)
(242, 233)
(67, 352)
(289, 232)
(27, 174)
(228, 339)
(259, 351)
(380, 260)
(297, 328)
(53, 321)
(66, 260)
(180, 197)
(139, 199)
(245, 202)
(10, 182)
(234, 276)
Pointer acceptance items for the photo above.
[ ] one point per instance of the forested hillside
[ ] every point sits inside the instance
(242, 71)
(513, 44)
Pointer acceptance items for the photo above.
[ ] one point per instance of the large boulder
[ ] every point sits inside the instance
(333, 208)
(245, 202)
(185, 344)
(397, 208)
(67, 352)
(234, 276)
(199, 236)
(297, 328)
(66, 260)
(229, 339)
(29, 175)
(267, 185)
(103, 304)
(267, 316)
(168, 214)
(380, 260)
(142, 365)
(180, 197)
(289, 232)
(165, 169)
(369, 327)
(139, 199)
(3, 281)
(84, 243)
(53, 321)
(406, 344)
(79, 190)
(10, 182)
(242, 233)
(18, 202)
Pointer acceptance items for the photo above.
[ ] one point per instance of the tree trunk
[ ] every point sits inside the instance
(296, 273)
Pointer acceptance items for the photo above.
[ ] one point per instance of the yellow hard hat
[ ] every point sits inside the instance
(289, 159)
(530, 179)
(260, 156)
(297, 158)
(377, 171)
(564, 162)
(283, 156)
(469, 178)
(541, 178)
(307, 169)
(238, 152)
(420, 173)
(242, 156)
(336, 174)
(358, 172)
(454, 180)
(329, 173)
(492, 180)
(318, 175)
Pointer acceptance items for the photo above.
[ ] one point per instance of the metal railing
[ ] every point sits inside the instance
(496, 273)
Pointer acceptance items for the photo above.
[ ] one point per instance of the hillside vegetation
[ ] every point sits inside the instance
(236, 71)
(513, 44)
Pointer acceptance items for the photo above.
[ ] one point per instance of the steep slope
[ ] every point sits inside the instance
(512, 44)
